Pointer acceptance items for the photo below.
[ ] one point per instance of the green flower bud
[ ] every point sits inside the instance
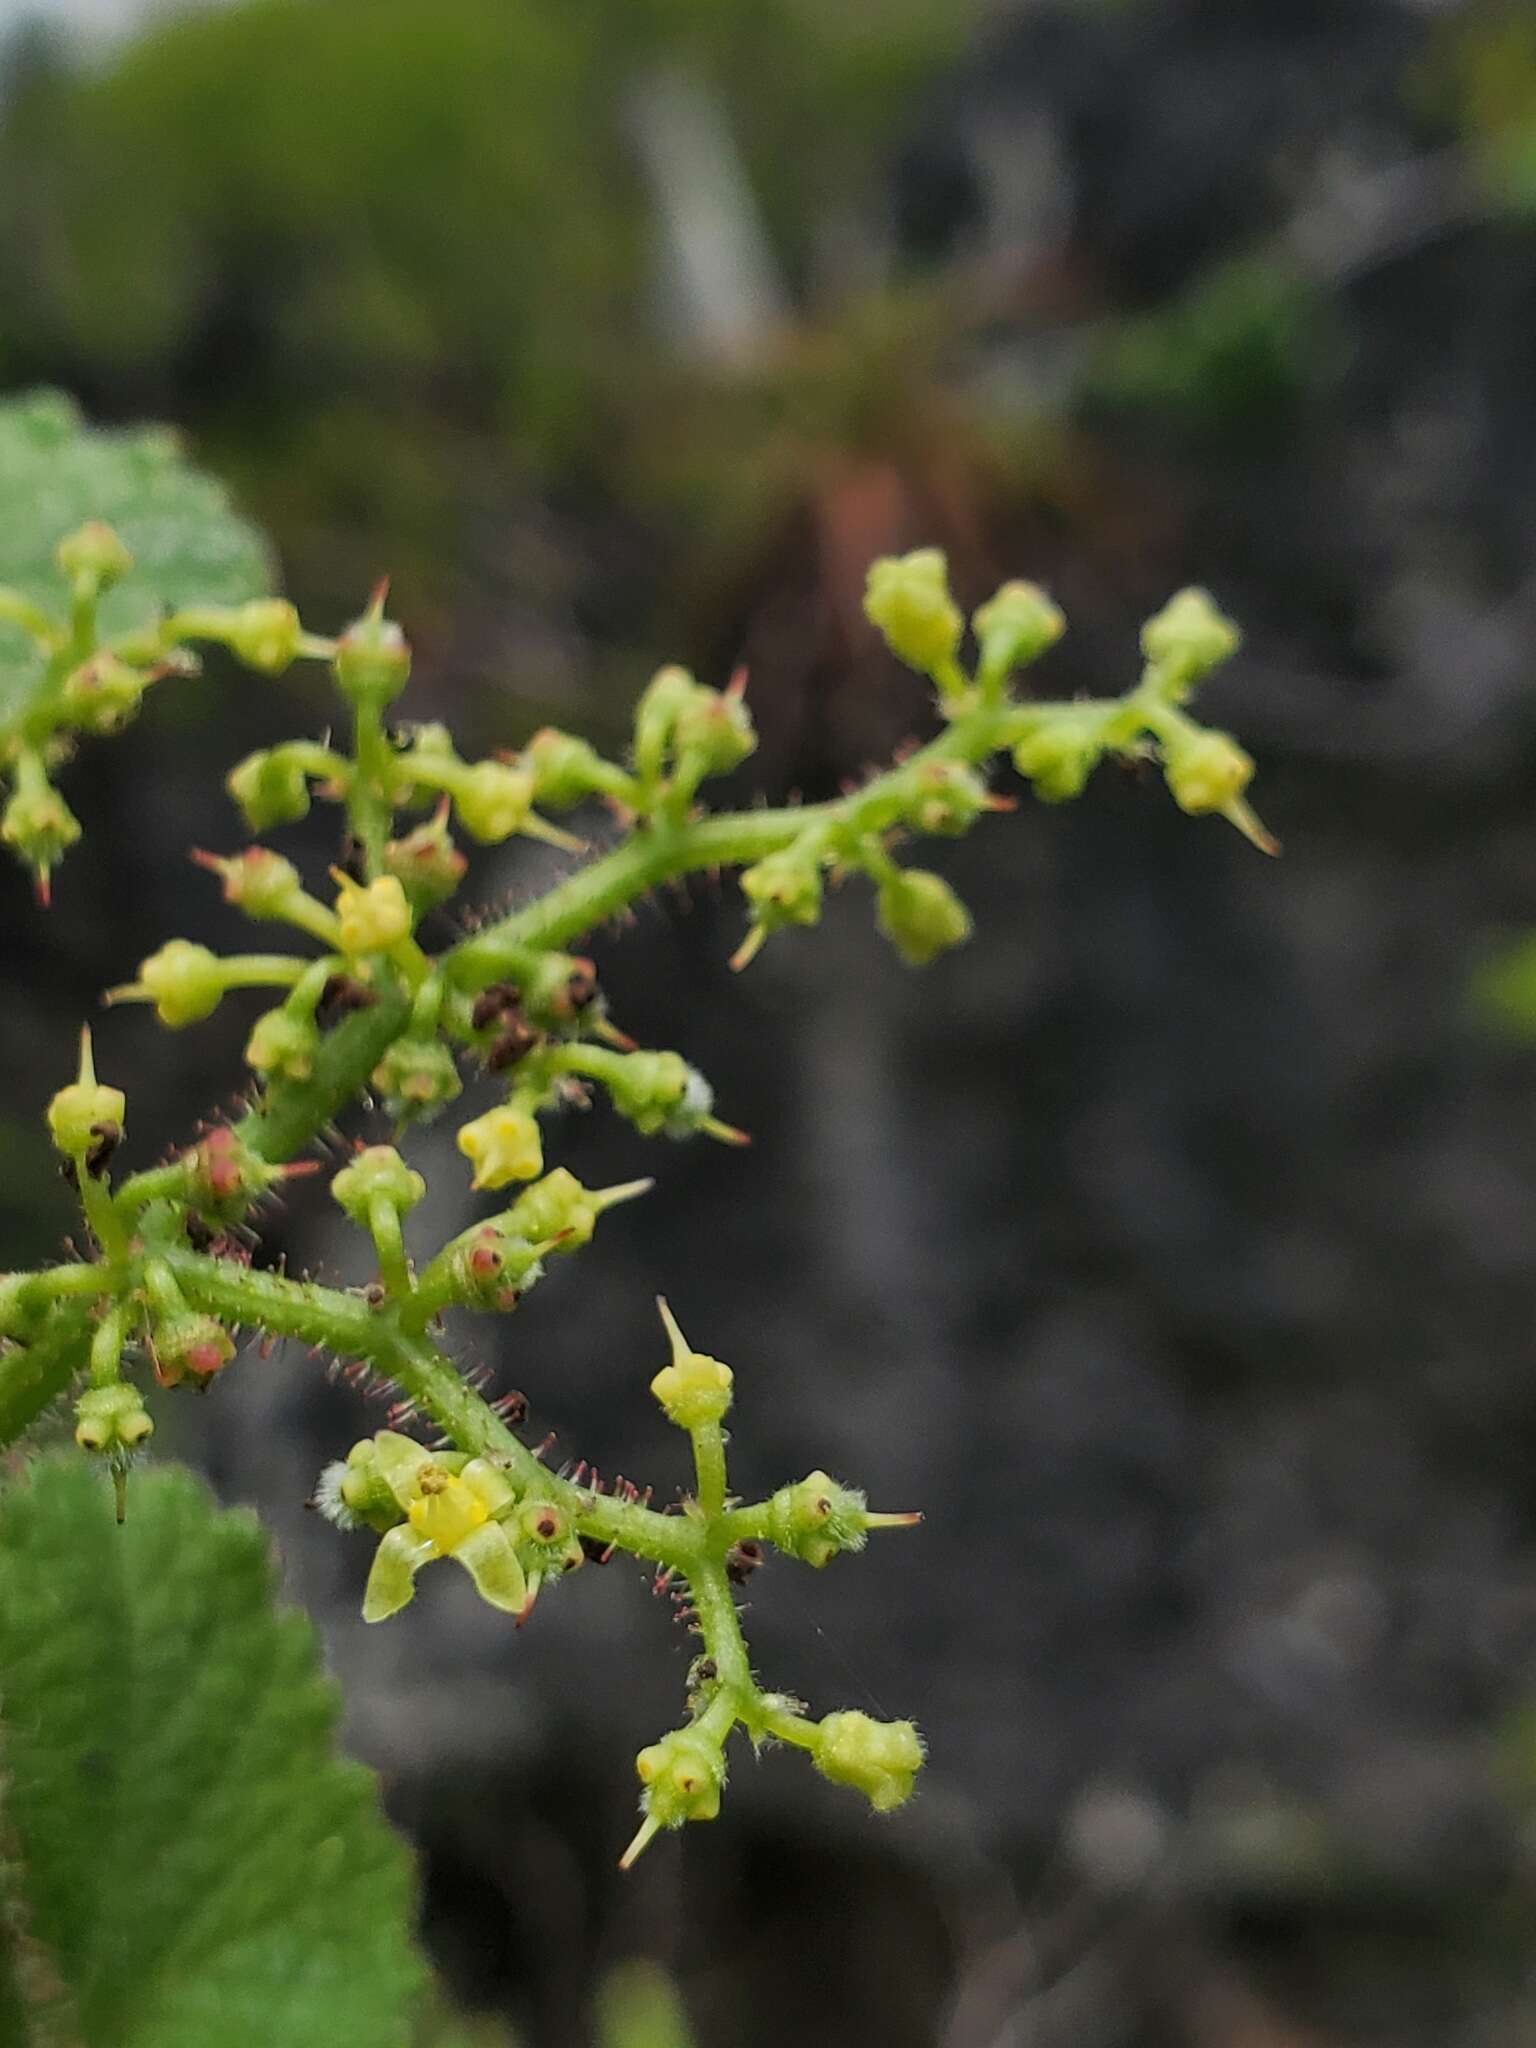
(493, 800)
(92, 558)
(371, 916)
(190, 1343)
(921, 915)
(377, 1173)
(662, 702)
(693, 1389)
(224, 1176)
(557, 1207)
(492, 1265)
(503, 1145)
(906, 598)
(39, 827)
(415, 1078)
(87, 1111)
(259, 881)
(682, 1775)
(1189, 637)
(881, 1759)
(104, 693)
(1205, 771)
(185, 982)
(546, 1539)
(426, 863)
(564, 769)
(784, 888)
(372, 660)
(945, 798)
(283, 1045)
(1058, 759)
(659, 1091)
(556, 988)
(1015, 627)
(108, 1418)
(270, 787)
(265, 634)
(716, 727)
(816, 1519)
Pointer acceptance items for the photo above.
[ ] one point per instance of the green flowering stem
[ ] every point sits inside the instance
(40, 1290)
(783, 1724)
(107, 1344)
(368, 804)
(16, 610)
(708, 1440)
(662, 851)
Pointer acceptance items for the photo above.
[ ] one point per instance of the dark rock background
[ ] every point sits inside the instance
(1174, 1246)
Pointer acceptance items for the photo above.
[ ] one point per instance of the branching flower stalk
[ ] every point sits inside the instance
(364, 1011)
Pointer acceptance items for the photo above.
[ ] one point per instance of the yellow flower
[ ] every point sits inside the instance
(372, 916)
(504, 1145)
(447, 1514)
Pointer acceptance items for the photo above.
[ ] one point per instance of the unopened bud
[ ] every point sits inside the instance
(1015, 627)
(81, 1114)
(1190, 637)
(265, 634)
(426, 863)
(378, 1173)
(564, 769)
(184, 981)
(270, 787)
(415, 1078)
(259, 881)
(943, 798)
(283, 1045)
(93, 558)
(921, 915)
(907, 599)
(372, 659)
(190, 1343)
(881, 1759)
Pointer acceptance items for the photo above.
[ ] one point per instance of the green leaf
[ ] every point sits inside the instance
(56, 472)
(184, 1860)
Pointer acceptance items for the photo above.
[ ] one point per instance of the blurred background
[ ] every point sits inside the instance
(1174, 1246)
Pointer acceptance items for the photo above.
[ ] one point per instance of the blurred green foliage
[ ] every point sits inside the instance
(1224, 364)
(368, 251)
(1484, 75)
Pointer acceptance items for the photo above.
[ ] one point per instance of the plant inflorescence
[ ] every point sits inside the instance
(360, 1009)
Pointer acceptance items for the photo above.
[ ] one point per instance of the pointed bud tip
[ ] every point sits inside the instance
(645, 1834)
(726, 1134)
(681, 1348)
(749, 948)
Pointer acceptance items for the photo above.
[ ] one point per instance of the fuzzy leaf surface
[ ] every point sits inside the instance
(56, 472)
(184, 1860)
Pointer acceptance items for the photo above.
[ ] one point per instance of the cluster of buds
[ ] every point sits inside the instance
(163, 1281)
(494, 799)
(685, 730)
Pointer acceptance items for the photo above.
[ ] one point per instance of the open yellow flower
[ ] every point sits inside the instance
(447, 1514)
